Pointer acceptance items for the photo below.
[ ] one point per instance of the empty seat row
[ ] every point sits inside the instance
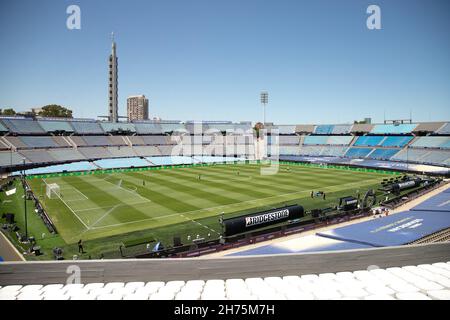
(422, 282)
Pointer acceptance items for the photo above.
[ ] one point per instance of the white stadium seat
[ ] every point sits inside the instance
(423, 282)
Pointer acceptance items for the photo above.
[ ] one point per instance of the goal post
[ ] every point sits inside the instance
(53, 191)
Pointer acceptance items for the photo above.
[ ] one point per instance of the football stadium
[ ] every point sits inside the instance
(153, 209)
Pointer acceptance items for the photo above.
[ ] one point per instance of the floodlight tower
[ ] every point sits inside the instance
(264, 102)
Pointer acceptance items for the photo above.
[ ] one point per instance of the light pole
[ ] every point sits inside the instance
(264, 102)
(25, 199)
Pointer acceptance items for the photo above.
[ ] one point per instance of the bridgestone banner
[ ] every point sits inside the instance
(262, 219)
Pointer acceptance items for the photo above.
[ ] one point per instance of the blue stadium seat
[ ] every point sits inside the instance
(53, 125)
(396, 141)
(393, 129)
(383, 154)
(369, 141)
(358, 152)
(324, 129)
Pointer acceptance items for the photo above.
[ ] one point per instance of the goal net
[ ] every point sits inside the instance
(53, 191)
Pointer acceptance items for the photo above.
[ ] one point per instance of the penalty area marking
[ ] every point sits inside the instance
(84, 224)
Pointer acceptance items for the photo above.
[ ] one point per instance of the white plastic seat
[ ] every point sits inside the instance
(379, 290)
(439, 294)
(83, 296)
(135, 285)
(379, 297)
(327, 276)
(353, 292)
(92, 286)
(163, 296)
(136, 296)
(324, 294)
(52, 295)
(109, 296)
(146, 291)
(52, 287)
(442, 265)
(403, 288)
(30, 295)
(113, 285)
(310, 277)
(32, 288)
(155, 284)
(298, 295)
(411, 296)
(435, 270)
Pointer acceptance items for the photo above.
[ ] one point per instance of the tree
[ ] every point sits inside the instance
(7, 112)
(54, 110)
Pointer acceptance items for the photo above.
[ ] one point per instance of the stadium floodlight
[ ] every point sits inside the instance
(264, 102)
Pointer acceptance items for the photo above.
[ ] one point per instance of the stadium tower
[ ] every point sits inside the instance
(113, 75)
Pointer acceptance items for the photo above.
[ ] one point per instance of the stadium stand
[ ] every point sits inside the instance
(66, 154)
(23, 126)
(148, 151)
(117, 140)
(431, 142)
(117, 127)
(165, 150)
(315, 140)
(78, 141)
(427, 281)
(121, 163)
(383, 154)
(327, 140)
(342, 129)
(97, 141)
(414, 155)
(396, 141)
(95, 153)
(3, 128)
(393, 129)
(362, 128)
(428, 127)
(39, 142)
(136, 140)
(121, 151)
(304, 129)
(155, 140)
(38, 156)
(172, 127)
(444, 130)
(51, 126)
(10, 158)
(286, 129)
(324, 129)
(289, 140)
(358, 152)
(69, 167)
(148, 128)
(16, 142)
(85, 127)
(369, 141)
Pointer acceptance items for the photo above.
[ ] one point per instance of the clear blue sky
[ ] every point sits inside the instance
(208, 59)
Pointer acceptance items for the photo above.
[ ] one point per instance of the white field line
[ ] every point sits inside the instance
(236, 204)
(104, 215)
(200, 224)
(84, 224)
(135, 193)
(108, 207)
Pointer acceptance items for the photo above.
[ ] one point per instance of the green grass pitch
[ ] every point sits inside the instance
(165, 203)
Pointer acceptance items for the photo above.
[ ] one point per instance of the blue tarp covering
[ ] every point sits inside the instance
(398, 229)
(1, 259)
(121, 163)
(440, 202)
(69, 167)
(273, 249)
(380, 164)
